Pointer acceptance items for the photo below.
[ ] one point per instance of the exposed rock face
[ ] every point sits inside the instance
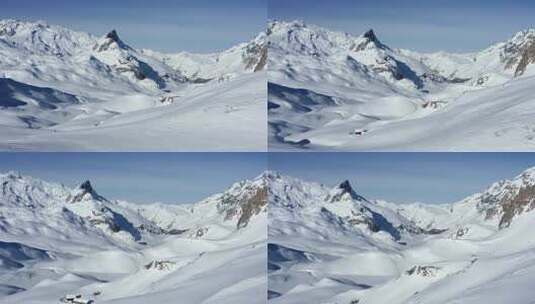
(506, 199)
(370, 40)
(243, 208)
(423, 271)
(111, 39)
(263, 60)
(523, 201)
(115, 222)
(343, 189)
(7, 31)
(346, 186)
(85, 191)
(528, 57)
(86, 186)
(359, 211)
(255, 56)
(519, 52)
(371, 35)
(160, 265)
(252, 206)
(177, 231)
(113, 36)
(415, 229)
(140, 69)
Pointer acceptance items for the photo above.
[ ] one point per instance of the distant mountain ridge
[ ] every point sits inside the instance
(498, 206)
(113, 54)
(29, 199)
(511, 57)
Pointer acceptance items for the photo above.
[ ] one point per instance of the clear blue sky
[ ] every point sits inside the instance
(166, 25)
(405, 177)
(141, 177)
(424, 25)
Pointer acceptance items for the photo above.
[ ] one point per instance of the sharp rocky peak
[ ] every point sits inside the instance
(86, 186)
(84, 191)
(370, 34)
(110, 40)
(344, 189)
(113, 35)
(346, 186)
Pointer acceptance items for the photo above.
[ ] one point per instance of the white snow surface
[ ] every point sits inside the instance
(57, 241)
(334, 91)
(321, 251)
(62, 90)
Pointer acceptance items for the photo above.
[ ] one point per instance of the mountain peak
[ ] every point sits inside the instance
(86, 186)
(369, 39)
(113, 35)
(84, 191)
(346, 186)
(343, 189)
(110, 40)
(370, 34)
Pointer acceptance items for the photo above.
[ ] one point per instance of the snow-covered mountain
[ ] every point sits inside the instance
(333, 90)
(57, 241)
(332, 245)
(59, 85)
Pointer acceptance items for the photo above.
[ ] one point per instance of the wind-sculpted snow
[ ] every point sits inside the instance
(330, 90)
(451, 253)
(67, 90)
(56, 241)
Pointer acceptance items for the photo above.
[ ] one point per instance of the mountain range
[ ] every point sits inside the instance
(333, 245)
(324, 244)
(57, 241)
(68, 90)
(336, 91)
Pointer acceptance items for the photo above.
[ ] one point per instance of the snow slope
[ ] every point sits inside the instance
(331, 245)
(57, 241)
(67, 90)
(331, 90)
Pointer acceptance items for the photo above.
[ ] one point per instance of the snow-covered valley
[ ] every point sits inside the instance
(333, 245)
(57, 242)
(334, 91)
(62, 90)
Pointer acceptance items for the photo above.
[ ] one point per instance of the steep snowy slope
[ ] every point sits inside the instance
(326, 248)
(57, 241)
(67, 90)
(331, 90)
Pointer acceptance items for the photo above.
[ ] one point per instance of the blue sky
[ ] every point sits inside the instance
(141, 177)
(405, 177)
(424, 25)
(166, 25)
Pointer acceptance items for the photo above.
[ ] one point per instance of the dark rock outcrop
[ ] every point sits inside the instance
(86, 191)
(252, 206)
(509, 205)
(423, 271)
(111, 39)
(344, 188)
(255, 57)
(527, 58)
